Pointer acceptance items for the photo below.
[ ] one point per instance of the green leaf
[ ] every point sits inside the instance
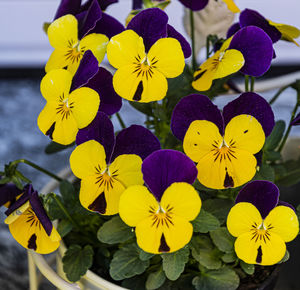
(67, 191)
(114, 231)
(77, 261)
(272, 155)
(144, 108)
(222, 279)
(54, 147)
(274, 138)
(53, 210)
(285, 258)
(229, 257)
(218, 207)
(126, 263)
(174, 263)
(222, 239)
(247, 268)
(144, 256)
(289, 179)
(265, 172)
(205, 222)
(155, 280)
(64, 227)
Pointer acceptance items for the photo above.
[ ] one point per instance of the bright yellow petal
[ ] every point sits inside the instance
(283, 221)
(127, 168)
(57, 60)
(28, 232)
(135, 204)
(112, 196)
(201, 137)
(244, 132)
(124, 48)
(84, 103)
(226, 44)
(135, 85)
(62, 31)
(47, 118)
(167, 57)
(16, 214)
(232, 6)
(183, 199)
(242, 217)
(258, 251)
(95, 42)
(56, 84)
(88, 159)
(288, 32)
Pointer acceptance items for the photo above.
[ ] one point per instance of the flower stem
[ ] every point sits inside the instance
(290, 124)
(252, 84)
(278, 94)
(35, 166)
(246, 83)
(121, 121)
(194, 61)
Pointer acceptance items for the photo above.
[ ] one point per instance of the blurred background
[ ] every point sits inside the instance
(24, 50)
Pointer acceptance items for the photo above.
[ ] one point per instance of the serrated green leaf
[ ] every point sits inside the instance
(222, 239)
(247, 268)
(64, 227)
(54, 147)
(218, 207)
(114, 231)
(222, 279)
(205, 222)
(174, 263)
(265, 172)
(126, 263)
(274, 138)
(155, 279)
(77, 261)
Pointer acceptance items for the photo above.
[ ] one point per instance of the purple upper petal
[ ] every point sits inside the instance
(185, 46)
(101, 82)
(233, 29)
(194, 4)
(296, 121)
(254, 105)
(67, 7)
(101, 130)
(264, 195)
(88, 68)
(103, 4)
(257, 49)
(280, 202)
(108, 25)
(251, 17)
(135, 140)
(8, 192)
(164, 167)
(150, 24)
(191, 108)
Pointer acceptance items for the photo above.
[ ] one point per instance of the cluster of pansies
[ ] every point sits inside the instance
(126, 173)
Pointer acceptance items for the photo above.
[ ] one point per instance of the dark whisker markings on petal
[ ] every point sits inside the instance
(245, 131)
(197, 77)
(229, 152)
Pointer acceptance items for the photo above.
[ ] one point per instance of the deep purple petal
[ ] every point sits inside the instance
(103, 4)
(194, 4)
(87, 69)
(164, 167)
(280, 202)
(101, 130)
(257, 49)
(67, 7)
(150, 24)
(135, 140)
(233, 29)
(251, 17)
(185, 46)
(296, 121)
(137, 4)
(110, 102)
(8, 192)
(264, 195)
(90, 19)
(254, 105)
(191, 108)
(108, 26)
(40, 212)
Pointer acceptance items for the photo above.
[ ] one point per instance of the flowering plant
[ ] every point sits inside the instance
(190, 195)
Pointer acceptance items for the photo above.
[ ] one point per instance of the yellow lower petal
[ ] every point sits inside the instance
(112, 196)
(57, 60)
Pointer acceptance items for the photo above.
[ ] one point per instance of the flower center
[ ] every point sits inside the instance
(261, 232)
(161, 216)
(64, 107)
(223, 151)
(104, 177)
(74, 52)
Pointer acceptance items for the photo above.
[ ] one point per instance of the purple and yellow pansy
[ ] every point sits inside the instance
(162, 210)
(249, 51)
(261, 224)
(107, 165)
(223, 145)
(28, 222)
(145, 55)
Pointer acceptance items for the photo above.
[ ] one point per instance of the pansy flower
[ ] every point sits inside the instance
(261, 224)
(196, 5)
(224, 144)
(72, 103)
(249, 51)
(9, 193)
(162, 211)
(107, 165)
(145, 55)
(29, 224)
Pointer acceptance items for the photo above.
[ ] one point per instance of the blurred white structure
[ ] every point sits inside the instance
(23, 42)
